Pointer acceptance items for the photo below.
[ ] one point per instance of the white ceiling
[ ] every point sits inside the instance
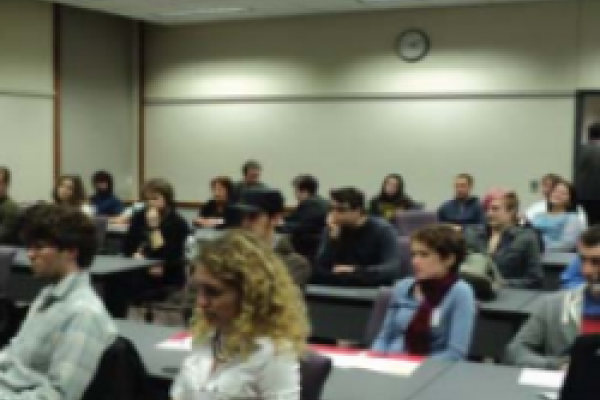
(193, 11)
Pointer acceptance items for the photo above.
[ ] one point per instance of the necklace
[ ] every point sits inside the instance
(217, 348)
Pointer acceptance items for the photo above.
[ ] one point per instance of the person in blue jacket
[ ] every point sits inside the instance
(433, 313)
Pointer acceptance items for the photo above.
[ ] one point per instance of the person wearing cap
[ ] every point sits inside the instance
(260, 211)
(546, 339)
(251, 171)
(357, 249)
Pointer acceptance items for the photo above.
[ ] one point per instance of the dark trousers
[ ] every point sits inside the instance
(592, 210)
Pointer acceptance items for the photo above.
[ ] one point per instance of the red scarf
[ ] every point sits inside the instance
(418, 334)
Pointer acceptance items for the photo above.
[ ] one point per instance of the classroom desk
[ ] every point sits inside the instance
(554, 264)
(24, 287)
(343, 384)
(343, 313)
(339, 312)
(499, 320)
(467, 381)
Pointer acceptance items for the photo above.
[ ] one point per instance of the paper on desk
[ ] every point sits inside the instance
(362, 360)
(181, 341)
(542, 378)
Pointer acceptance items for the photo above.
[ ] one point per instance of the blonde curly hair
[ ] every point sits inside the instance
(271, 305)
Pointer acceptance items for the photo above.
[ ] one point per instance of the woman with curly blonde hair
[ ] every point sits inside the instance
(250, 326)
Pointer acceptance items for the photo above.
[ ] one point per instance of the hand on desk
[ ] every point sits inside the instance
(139, 256)
(334, 228)
(343, 269)
(156, 271)
(208, 222)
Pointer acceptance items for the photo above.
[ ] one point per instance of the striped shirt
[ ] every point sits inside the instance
(57, 351)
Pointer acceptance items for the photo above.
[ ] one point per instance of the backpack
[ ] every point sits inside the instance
(481, 272)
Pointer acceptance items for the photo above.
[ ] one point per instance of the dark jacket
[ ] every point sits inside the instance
(372, 248)
(212, 210)
(309, 218)
(9, 219)
(517, 257)
(462, 212)
(174, 231)
(106, 204)
(297, 265)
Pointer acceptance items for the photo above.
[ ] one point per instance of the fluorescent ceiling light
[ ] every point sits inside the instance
(203, 11)
(388, 1)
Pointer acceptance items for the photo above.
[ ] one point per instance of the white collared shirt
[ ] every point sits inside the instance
(267, 374)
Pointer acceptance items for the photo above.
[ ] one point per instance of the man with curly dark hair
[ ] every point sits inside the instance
(57, 351)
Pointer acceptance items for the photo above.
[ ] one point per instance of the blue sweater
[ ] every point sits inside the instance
(451, 335)
(571, 276)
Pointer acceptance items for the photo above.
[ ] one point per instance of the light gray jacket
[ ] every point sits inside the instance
(546, 338)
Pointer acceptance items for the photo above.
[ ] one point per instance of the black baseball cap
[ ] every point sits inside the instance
(256, 201)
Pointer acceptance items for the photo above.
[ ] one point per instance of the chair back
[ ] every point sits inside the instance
(101, 224)
(314, 371)
(378, 313)
(408, 222)
(405, 257)
(581, 382)
(120, 375)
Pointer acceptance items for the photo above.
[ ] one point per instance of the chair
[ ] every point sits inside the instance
(314, 371)
(101, 224)
(408, 222)
(581, 382)
(405, 257)
(120, 375)
(378, 313)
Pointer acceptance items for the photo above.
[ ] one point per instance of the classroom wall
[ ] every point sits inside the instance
(26, 95)
(98, 99)
(328, 95)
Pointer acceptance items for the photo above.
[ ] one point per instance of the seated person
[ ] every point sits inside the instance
(546, 338)
(214, 212)
(357, 249)
(391, 199)
(464, 209)
(261, 211)
(55, 354)
(69, 191)
(158, 232)
(9, 211)
(540, 207)
(104, 200)
(560, 226)
(310, 215)
(432, 314)
(572, 277)
(514, 249)
(252, 171)
(250, 326)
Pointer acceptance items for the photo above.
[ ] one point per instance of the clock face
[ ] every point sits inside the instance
(413, 45)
